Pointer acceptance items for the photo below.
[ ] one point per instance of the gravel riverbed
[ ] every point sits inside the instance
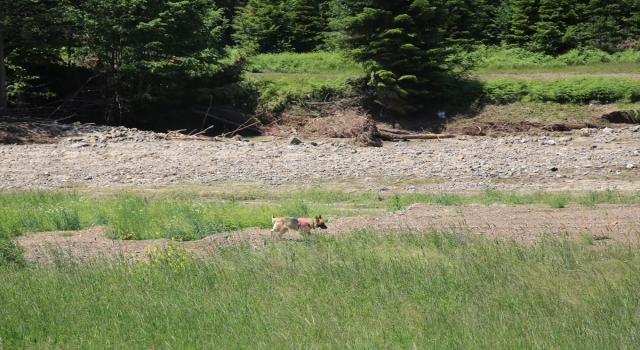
(588, 159)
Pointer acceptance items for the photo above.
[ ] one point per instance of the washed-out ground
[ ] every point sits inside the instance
(582, 160)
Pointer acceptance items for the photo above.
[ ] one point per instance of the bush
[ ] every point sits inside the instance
(506, 90)
(11, 254)
(562, 90)
(313, 62)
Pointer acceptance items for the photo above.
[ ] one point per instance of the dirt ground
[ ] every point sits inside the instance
(524, 223)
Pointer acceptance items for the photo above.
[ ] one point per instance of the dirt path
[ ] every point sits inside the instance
(526, 223)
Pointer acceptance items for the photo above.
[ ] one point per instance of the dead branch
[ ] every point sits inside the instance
(203, 131)
(238, 129)
(225, 120)
(74, 95)
(206, 113)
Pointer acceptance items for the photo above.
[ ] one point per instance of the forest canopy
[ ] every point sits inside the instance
(128, 57)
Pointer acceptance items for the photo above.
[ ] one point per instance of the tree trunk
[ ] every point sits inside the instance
(3, 79)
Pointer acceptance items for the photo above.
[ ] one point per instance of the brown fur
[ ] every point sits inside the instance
(284, 224)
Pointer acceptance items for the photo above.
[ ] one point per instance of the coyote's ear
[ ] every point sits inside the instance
(273, 216)
(319, 216)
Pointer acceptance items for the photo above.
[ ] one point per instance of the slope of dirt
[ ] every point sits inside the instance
(525, 223)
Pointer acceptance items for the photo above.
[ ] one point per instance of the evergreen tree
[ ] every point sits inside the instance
(28, 32)
(150, 49)
(496, 22)
(403, 48)
(262, 27)
(269, 26)
(555, 17)
(524, 17)
(609, 23)
(631, 24)
(466, 20)
(307, 24)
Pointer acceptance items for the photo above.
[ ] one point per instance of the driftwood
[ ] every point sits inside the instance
(387, 136)
(178, 135)
(394, 131)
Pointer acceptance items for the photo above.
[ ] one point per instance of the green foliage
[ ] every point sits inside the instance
(493, 57)
(312, 62)
(524, 16)
(394, 203)
(558, 200)
(610, 23)
(370, 290)
(279, 93)
(172, 256)
(586, 239)
(577, 90)
(403, 49)
(134, 218)
(551, 35)
(506, 90)
(11, 254)
(150, 50)
(271, 26)
(466, 22)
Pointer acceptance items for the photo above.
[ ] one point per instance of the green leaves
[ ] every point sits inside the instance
(403, 46)
(150, 50)
(271, 26)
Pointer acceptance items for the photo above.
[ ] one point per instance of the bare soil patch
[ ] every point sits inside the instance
(525, 223)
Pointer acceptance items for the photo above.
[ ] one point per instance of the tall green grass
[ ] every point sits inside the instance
(277, 92)
(361, 290)
(130, 216)
(498, 58)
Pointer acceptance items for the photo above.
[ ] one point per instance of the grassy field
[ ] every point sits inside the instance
(361, 290)
(365, 289)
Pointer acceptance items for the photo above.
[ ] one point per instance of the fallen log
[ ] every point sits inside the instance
(390, 137)
(394, 131)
